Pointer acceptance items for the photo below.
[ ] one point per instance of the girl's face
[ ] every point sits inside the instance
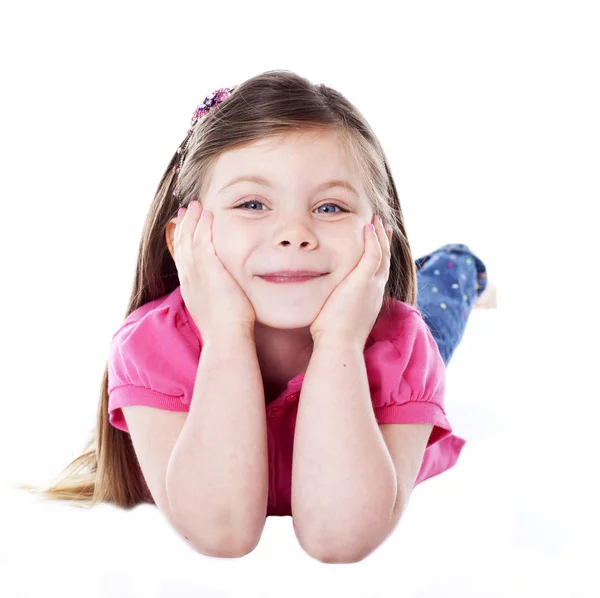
(291, 221)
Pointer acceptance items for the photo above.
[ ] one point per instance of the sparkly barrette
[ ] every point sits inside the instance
(210, 102)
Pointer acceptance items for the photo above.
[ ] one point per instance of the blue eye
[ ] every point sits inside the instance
(260, 203)
(333, 204)
(249, 202)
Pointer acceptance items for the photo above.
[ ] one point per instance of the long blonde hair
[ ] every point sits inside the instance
(272, 103)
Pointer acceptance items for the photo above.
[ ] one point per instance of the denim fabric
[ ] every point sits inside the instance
(450, 280)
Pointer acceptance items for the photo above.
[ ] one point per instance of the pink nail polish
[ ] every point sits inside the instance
(372, 226)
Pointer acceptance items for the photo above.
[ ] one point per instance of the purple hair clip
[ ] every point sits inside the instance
(210, 102)
(216, 97)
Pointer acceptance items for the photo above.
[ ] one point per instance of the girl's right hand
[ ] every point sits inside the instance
(213, 297)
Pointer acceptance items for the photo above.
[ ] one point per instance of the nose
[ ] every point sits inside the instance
(295, 233)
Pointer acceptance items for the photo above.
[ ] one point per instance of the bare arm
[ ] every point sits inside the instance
(344, 485)
(217, 477)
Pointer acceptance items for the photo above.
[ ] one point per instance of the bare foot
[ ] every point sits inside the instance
(489, 297)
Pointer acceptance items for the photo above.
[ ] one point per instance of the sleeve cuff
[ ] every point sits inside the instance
(417, 412)
(128, 394)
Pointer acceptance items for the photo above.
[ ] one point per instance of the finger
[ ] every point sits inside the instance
(178, 234)
(178, 224)
(203, 235)
(186, 219)
(384, 240)
(384, 243)
(372, 255)
(182, 234)
(184, 237)
(199, 223)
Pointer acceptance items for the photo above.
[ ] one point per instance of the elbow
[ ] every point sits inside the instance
(352, 543)
(342, 553)
(225, 547)
(219, 529)
(338, 555)
(219, 542)
(339, 552)
(215, 536)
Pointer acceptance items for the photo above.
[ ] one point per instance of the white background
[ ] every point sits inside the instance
(488, 113)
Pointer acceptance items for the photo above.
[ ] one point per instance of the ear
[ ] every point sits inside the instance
(169, 235)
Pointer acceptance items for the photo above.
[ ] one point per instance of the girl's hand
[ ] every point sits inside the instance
(213, 297)
(351, 310)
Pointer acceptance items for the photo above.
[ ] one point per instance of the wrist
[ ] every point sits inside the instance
(228, 336)
(338, 339)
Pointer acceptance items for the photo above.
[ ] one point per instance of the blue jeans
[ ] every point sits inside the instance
(450, 280)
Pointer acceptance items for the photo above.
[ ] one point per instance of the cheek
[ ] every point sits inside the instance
(229, 246)
(350, 250)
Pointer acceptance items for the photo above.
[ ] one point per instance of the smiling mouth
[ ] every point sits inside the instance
(290, 279)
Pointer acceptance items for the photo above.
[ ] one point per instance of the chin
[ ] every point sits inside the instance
(285, 308)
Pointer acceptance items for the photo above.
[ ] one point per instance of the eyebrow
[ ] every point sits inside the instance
(266, 183)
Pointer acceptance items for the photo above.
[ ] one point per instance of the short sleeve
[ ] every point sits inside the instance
(153, 359)
(407, 377)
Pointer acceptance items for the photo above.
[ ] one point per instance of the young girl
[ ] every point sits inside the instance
(276, 358)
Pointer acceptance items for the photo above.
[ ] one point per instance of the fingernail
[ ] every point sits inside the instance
(179, 212)
(203, 213)
(379, 217)
(372, 226)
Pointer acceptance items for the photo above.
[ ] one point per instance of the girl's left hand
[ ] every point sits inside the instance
(351, 310)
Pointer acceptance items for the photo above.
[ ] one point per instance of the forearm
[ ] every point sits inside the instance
(343, 478)
(217, 478)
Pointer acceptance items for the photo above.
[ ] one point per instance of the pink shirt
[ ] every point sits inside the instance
(154, 358)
